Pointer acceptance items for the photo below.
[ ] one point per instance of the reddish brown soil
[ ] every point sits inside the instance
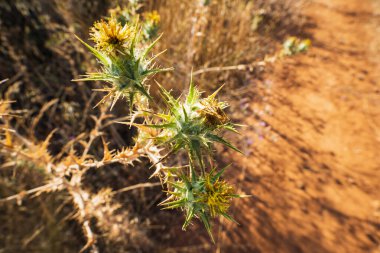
(316, 177)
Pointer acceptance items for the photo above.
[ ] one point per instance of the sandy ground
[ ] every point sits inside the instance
(316, 177)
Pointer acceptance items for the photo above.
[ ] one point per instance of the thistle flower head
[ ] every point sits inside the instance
(217, 195)
(152, 17)
(213, 111)
(150, 26)
(128, 16)
(126, 63)
(110, 35)
(202, 197)
(193, 124)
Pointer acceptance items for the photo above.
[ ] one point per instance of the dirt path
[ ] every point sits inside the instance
(316, 178)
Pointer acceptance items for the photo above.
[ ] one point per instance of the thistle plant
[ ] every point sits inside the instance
(193, 124)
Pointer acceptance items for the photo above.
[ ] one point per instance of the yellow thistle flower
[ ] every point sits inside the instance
(110, 35)
(153, 17)
(213, 112)
(217, 195)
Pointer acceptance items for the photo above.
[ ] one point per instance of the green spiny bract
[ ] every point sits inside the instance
(125, 60)
(204, 197)
(193, 124)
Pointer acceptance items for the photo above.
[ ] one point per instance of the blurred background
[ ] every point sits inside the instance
(311, 120)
